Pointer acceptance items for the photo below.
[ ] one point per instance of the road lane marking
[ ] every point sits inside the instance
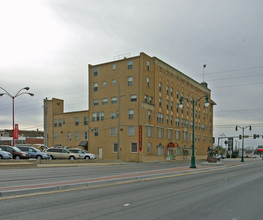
(120, 183)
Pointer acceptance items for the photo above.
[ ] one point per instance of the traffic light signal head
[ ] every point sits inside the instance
(254, 136)
(240, 136)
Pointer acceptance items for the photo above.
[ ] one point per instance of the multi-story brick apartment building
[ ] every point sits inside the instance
(134, 112)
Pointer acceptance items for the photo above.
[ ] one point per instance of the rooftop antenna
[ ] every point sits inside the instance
(204, 66)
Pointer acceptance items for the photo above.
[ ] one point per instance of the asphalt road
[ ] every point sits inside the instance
(14, 177)
(232, 193)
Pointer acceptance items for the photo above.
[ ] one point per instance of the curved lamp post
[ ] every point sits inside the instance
(13, 104)
(193, 135)
(243, 128)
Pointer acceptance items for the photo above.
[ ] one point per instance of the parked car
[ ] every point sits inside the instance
(60, 153)
(5, 155)
(82, 154)
(34, 152)
(91, 155)
(16, 152)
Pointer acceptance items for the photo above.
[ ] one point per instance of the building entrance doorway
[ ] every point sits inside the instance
(100, 152)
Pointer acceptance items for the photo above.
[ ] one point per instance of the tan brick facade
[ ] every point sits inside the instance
(150, 91)
(65, 128)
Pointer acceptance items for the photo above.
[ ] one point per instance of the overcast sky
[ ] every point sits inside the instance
(47, 45)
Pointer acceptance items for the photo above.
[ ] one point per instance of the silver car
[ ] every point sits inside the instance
(5, 155)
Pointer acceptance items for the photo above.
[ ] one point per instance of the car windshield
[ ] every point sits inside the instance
(16, 149)
(37, 150)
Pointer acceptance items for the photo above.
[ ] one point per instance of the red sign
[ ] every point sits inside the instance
(171, 144)
(140, 138)
(260, 149)
(16, 131)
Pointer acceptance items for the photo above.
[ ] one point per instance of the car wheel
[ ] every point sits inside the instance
(17, 157)
(39, 157)
(72, 158)
(1, 157)
(87, 157)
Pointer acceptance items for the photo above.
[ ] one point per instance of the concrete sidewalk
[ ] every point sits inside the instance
(100, 181)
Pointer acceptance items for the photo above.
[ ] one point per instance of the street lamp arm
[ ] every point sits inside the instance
(205, 96)
(7, 93)
(31, 94)
(17, 94)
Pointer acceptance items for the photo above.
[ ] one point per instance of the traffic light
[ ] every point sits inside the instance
(240, 136)
(254, 136)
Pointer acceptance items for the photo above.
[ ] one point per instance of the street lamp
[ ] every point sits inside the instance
(193, 111)
(243, 128)
(13, 104)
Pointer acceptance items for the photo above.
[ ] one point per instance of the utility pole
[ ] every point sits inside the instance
(45, 124)
(119, 121)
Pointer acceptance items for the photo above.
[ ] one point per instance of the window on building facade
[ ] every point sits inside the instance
(160, 132)
(172, 106)
(160, 102)
(77, 121)
(167, 90)
(149, 147)
(115, 147)
(134, 147)
(145, 98)
(86, 135)
(177, 135)
(104, 84)
(95, 71)
(131, 130)
(177, 122)
(151, 99)
(133, 98)
(114, 82)
(149, 131)
(98, 116)
(76, 135)
(172, 92)
(169, 134)
(148, 82)
(131, 113)
(69, 136)
(130, 81)
(130, 64)
(149, 115)
(104, 101)
(114, 100)
(55, 123)
(86, 120)
(112, 115)
(96, 132)
(160, 117)
(55, 136)
(167, 119)
(160, 87)
(95, 87)
(167, 104)
(185, 133)
(60, 122)
(112, 131)
(172, 120)
(95, 102)
(148, 65)
(114, 66)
